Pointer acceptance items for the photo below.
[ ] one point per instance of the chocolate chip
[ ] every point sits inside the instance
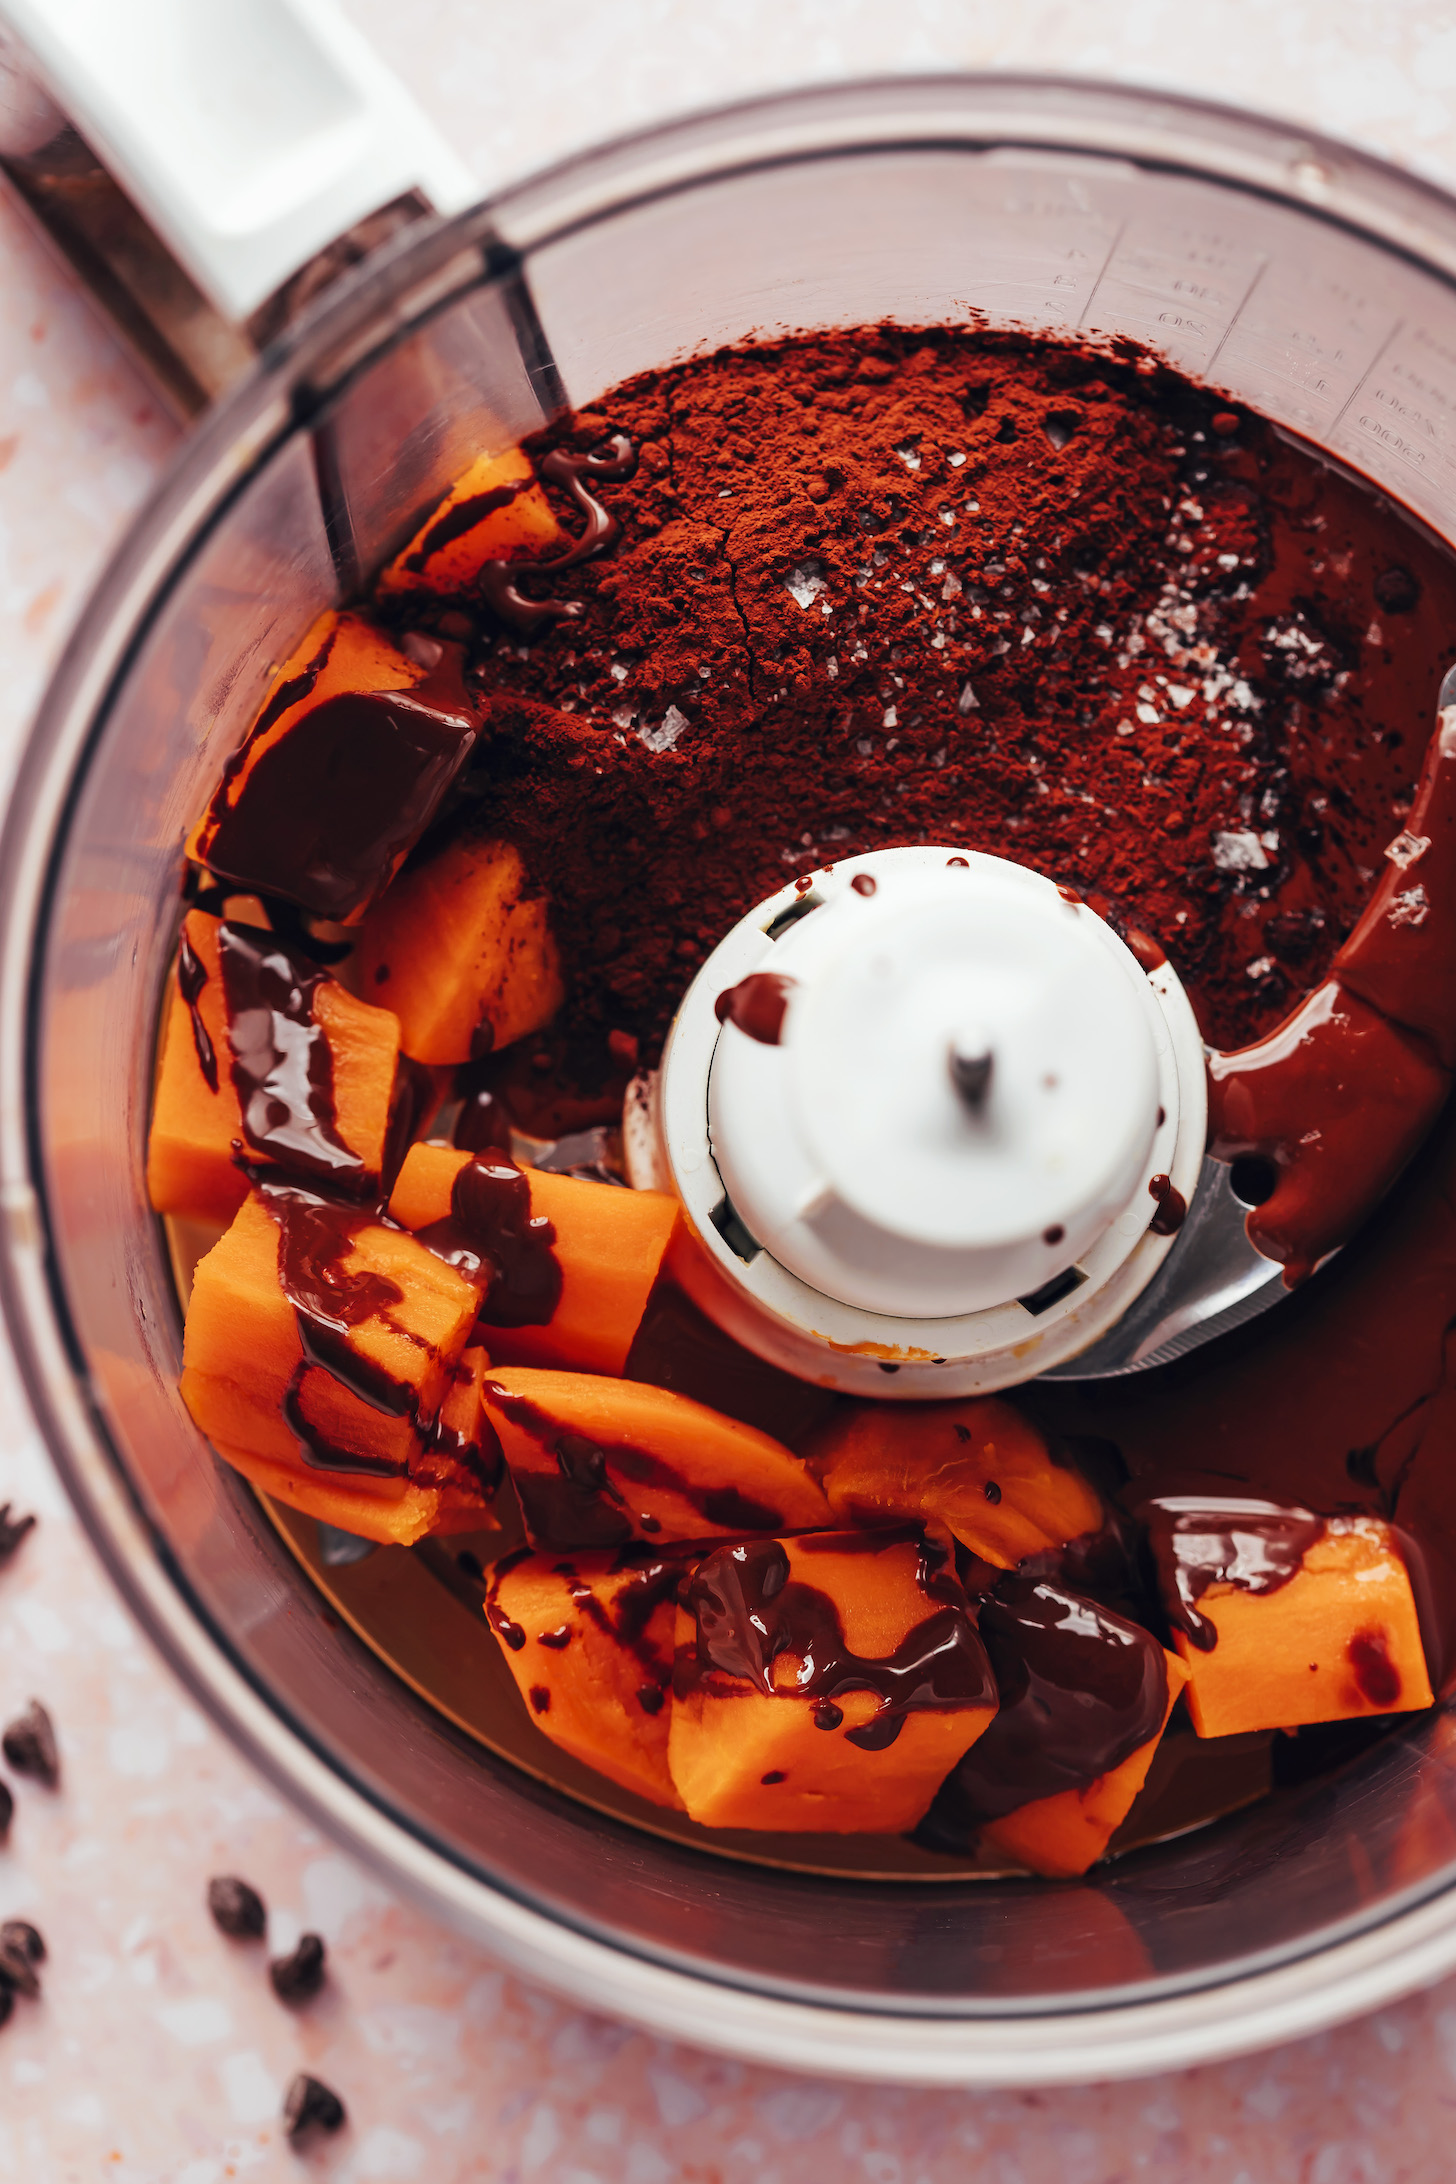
(20, 1934)
(12, 1530)
(29, 1744)
(7, 2002)
(297, 1978)
(310, 2104)
(17, 1972)
(236, 1908)
(7, 1811)
(21, 1949)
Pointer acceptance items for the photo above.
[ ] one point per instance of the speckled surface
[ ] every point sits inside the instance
(159, 2051)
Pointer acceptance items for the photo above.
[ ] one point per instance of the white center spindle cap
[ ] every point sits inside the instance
(927, 1117)
(962, 1097)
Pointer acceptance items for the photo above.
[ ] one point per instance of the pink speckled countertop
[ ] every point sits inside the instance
(159, 2052)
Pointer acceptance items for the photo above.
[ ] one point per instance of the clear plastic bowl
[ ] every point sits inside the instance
(1309, 282)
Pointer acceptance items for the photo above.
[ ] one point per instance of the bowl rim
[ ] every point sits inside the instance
(1229, 2012)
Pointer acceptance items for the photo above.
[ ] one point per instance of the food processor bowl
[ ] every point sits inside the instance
(1313, 284)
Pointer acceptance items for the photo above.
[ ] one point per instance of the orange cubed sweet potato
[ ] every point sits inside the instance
(461, 1453)
(590, 1645)
(598, 1462)
(976, 1465)
(367, 1411)
(495, 512)
(462, 953)
(1065, 1833)
(819, 1685)
(1336, 1639)
(343, 769)
(609, 1246)
(392, 1512)
(196, 1122)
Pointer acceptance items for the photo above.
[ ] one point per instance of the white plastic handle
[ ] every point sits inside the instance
(252, 133)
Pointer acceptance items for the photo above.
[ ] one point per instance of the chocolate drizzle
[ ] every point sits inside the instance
(329, 1300)
(1254, 1546)
(191, 978)
(282, 1067)
(758, 1005)
(491, 1237)
(500, 581)
(1172, 1206)
(751, 1614)
(575, 1498)
(628, 1621)
(1081, 1689)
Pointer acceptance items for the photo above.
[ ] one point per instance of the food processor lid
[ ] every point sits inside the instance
(960, 1097)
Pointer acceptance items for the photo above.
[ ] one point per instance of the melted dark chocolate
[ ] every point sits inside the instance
(627, 1622)
(323, 815)
(758, 1005)
(492, 1237)
(1377, 1676)
(1339, 1098)
(1172, 1206)
(315, 1237)
(1081, 1689)
(191, 978)
(577, 1501)
(282, 1066)
(1255, 1546)
(500, 581)
(1148, 953)
(749, 1612)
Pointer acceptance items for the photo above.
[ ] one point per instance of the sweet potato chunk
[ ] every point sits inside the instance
(462, 954)
(608, 1245)
(343, 770)
(975, 1465)
(820, 1685)
(461, 1453)
(392, 1512)
(1069, 1831)
(495, 512)
(1279, 1625)
(197, 1117)
(598, 1462)
(589, 1643)
(385, 1320)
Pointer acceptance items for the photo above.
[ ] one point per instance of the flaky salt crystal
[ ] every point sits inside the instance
(1407, 848)
(1239, 851)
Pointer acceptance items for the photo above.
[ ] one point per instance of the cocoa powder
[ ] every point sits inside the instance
(987, 589)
